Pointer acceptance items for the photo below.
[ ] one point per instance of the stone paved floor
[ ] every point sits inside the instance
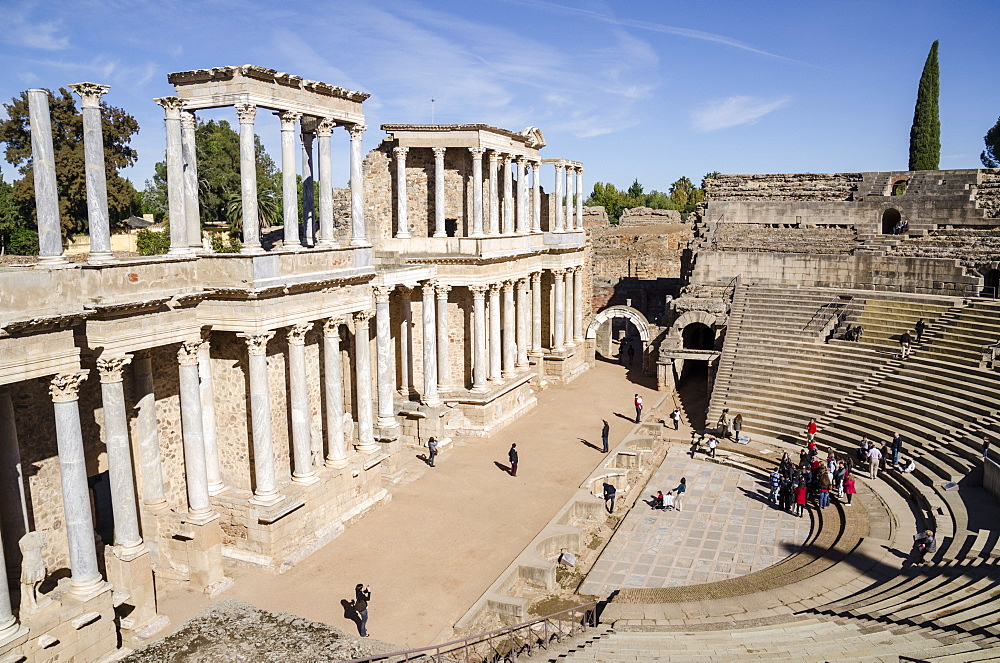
(727, 528)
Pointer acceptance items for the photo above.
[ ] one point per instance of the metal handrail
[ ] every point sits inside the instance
(729, 294)
(718, 226)
(839, 303)
(501, 644)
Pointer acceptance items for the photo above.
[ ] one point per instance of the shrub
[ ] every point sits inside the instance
(23, 242)
(151, 242)
(222, 244)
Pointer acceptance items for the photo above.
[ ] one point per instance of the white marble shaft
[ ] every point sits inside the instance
(430, 393)
(523, 314)
(494, 228)
(363, 382)
(444, 363)
(522, 195)
(385, 372)
(123, 503)
(13, 505)
(289, 183)
(559, 197)
(86, 577)
(508, 196)
(536, 313)
(146, 429)
(477, 190)
(495, 351)
(209, 433)
(508, 340)
(189, 156)
(177, 214)
(8, 624)
(327, 233)
(402, 214)
(478, 337)
(43, 161)
(579, 198)
(559, 300)
(568, 309)
(266, 489)
(405, 342)
(570, 206)
(536, 198)
(439, 229)
(333, 388)
(358, 237)
(195, 472)
(248, 179)
(298, 396)
(93, 155)
(578, 305)
(307, 231)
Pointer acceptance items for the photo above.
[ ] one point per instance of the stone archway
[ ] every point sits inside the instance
(639, 322)
(890, 218)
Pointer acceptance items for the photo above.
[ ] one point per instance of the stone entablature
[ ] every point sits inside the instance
(525, 143)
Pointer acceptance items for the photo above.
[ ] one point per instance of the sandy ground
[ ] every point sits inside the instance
(444, 538)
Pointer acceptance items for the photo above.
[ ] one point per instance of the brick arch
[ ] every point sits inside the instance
(691, 317)
(627, 312)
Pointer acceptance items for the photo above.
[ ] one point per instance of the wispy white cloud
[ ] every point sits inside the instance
(733, 111)
(20, 29)
(102, 69)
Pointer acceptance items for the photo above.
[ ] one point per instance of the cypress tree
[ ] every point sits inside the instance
(925, 134)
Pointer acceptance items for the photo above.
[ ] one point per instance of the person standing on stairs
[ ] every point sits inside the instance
(638, 407)
(737, 427)
(811, 429)
(904, 344)
(874, 456)
(920, 328)
(849, 488)
(897, 447)
(675, 416)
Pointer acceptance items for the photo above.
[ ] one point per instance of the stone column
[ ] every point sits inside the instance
(266, 490)
(508, 196)
(308, 229)
(523, 308)
(477, 190)
(579, 197)
(358, 237)
(495, 351)
(146, 429)
(175, 176)
(50, 251)
(289, 183)
(536, 313)
(385, 374)
(402, 220)
(326, 230)
(478, 337)
(559, 298)
(430, 395)
(522, 195)
(578, 337)
(509, 347)
(444, 364)
(126, 514)
(363, 382)
(439, 230)
(559, 198)
(570, 206)
(189, 152)
(93, 154)
(568, 308)
(9, 628)
(333, 389)
(248, 179)
(494, 228)
(13, 505)
(298, 396)
(405, 342)
(192, 431)
(86, 577)
(536, 199)
(212, 468)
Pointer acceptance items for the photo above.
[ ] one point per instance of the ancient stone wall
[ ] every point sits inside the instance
(988, 193)
(642, 215)
(797, 186)
(595, 216)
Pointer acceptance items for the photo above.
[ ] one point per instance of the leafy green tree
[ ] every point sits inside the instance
(991, 155)
(635, 190)
(925, 134)
(118, 128)
(11, 215)
(152, 242)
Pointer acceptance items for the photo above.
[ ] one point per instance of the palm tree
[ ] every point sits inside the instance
(268, 210)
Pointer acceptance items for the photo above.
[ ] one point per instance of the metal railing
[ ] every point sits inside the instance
(839, 307)
(501, 645)
(717, 230)
(729, 294)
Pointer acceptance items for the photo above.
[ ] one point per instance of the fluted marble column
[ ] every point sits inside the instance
(358, 236)
(522, 195)
(578, 304)
(189, 153)
(333, 388)
(494, 228)
(147, 430)
(50, 250)
(579, 197)
(536, 313)
(128, 541)
(308, 228)
(65, 392)
(478, 337)
(324, 128)
(363, 382)
(175, 176)
(523, 312)
(97, 189)
(560, 176)
(559, 313)
(570, 206)
(192, 433)
(568, 310)
(508, 340)
(477, 190)
(508, 196)
(439, 230)
(402, 219)
(444, 364)
(298, 396)
(385, 373)
(248, 179)
(536, 198)
(212, 468)
(430, 395)
(266, 490)
(405, 342)
(289, 179)
(495, 349)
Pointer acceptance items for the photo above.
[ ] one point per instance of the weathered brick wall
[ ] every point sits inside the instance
(792, 186)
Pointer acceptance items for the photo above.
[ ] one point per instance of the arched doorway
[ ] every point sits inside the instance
(616, 330)
(890, 218)
(991, 283)
(698, 336)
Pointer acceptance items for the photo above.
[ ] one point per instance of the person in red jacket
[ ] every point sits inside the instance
(849, 489)
(811, 429)
(800, 499)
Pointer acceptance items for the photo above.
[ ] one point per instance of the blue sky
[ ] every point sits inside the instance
(646, 89)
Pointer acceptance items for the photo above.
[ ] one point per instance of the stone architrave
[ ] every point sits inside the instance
(496, 376)
(444, 363)
(523, 314)
(209, 432)
(385, 375)
(324, 129)
(578, 305)
(248, 179)
(439, 200)
(560, 176)
(429, 339)
(363, 382)
(189, 156)
(307, 231)
(266, 491)
(358, 237)
(477, 190)
(479, 364)
(333, 388)
(64, 390)
(559, 301)
(147, 431)
(298, 396)
(97, 188)
(13, 503)
(193, 433)
(128, 541)
(402, 195)
(522, 195)
(175, 176)
(508, 341)
(494, 228)
(579, 198)
(50, 249)
(289, 180)
(536, 313)
(508, 195)
(536, 198)
(405, 342)
(568, 308)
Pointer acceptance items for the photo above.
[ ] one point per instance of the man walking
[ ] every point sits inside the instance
(609, 497)
(986, 448)
(811, 429)
(874, 456)
(638, 407)
(432, 451)
(362, 595)
(904, 344)
(512, 457)
(605, 432)
(675, 416)
(920, 328)
(897, 447)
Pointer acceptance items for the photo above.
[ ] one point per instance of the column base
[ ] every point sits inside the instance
(336, 463)
(404, 236)
(88, 589)
(326, 244)
(296, 247)
(433, 401)
(129, 551)
(201, 517)
(387, 422)
(305, 479)
(439, 235)
(254, 250)
(508, 374)
(12, 632)
(101, 258)
(53, 262)
(216, 488)
(481, 389)
(367, 447)
(360, 241)
(521, 366)
(266, 499)
(180, 251)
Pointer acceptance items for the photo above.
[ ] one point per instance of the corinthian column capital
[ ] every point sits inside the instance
(296, 334)
(246, 113)
(356, 131)
(110, 368)
(429, 286)
(172, 106)
(477, 152)
(381, 293)
(400, 152)
(288, 119)
(65, 387)
(188, 119)
(187, 353)
(90, 93)
(331, 326)
(257, 343)
(325, 126)
(362, 317)
(442, 290)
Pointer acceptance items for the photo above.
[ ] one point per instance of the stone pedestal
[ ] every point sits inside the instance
(204, 556)
(133, 576)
